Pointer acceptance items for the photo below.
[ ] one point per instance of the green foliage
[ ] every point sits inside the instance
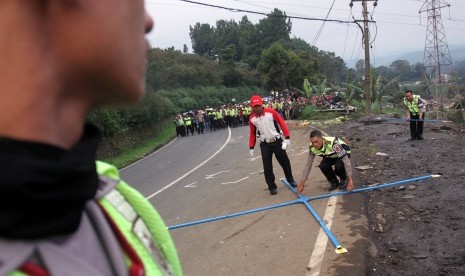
(307, 88)
(202, 39)
(193, 98)
(130, 153)
(109, 122)
(311, 112)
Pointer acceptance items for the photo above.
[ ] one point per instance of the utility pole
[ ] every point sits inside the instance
(366, 42)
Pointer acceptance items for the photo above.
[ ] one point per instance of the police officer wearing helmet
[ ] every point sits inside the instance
(265, 125)
(334, 152)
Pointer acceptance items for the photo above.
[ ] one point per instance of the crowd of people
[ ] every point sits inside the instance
(232, 115)
(327, 101)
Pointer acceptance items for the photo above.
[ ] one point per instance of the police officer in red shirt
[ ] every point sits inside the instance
(269, 128)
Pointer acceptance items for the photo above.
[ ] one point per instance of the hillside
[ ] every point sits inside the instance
(457, 53)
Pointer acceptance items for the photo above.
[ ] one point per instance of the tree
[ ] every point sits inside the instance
(274, 28)
(334, 68)
(401, 68)
(273, 66)
(360, 67)
(202, 39)
(381, 87)
(226, 33)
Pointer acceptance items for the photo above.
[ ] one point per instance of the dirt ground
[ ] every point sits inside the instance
(417, 228)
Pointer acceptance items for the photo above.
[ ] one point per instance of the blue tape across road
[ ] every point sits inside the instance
(305, 200)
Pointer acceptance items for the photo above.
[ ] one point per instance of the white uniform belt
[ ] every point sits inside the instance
(271, 140)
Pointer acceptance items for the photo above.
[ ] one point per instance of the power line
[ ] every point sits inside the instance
(262, 13)
(322, 25)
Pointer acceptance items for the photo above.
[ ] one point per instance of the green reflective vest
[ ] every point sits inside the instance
(333, 147)
(414, 106)
(187, 121)
(145, 231)
(140, 225)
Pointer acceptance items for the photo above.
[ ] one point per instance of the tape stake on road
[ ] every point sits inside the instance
(233, 215)
(304, 200)
(418, 120)
(339, 249)
(379, 186)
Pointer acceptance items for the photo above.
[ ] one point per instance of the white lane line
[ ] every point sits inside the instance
(209, 176)
(305, 151)
(130, 165)
(235, 181)
(192, 185)
(254, 158)
(257, 172)
(316, 260)
(189, 172)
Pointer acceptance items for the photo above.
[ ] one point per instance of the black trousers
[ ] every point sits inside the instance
(283, 160)
(416, 126)
(326, 167)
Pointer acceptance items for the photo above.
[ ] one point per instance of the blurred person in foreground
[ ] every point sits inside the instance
(62, 213)
(335, 152)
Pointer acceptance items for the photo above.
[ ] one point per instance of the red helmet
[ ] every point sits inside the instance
(256, 100)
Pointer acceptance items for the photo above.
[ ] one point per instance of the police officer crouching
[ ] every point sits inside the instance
(416, 108)
(335, 152)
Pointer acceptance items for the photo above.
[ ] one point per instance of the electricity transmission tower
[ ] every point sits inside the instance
(437, 60)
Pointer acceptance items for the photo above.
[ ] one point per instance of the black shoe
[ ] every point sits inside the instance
(343, 185)
(293, 183)
(411, 139)
(333, 187)
(419, 138)
(273, 191)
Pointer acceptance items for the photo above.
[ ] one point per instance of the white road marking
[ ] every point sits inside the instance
(254, 158)
(318, 253)
(209, 176)
(130, 165)
(240, 137)
(303, 152)
(235, 181)
(192, 185)
(257, 172)
(194, 169)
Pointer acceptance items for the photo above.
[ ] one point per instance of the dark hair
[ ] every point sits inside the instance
(408, 91)
(315, 133)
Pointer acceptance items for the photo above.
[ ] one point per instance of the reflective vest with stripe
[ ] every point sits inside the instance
(414, 106)
(333, 147)
(141, 232)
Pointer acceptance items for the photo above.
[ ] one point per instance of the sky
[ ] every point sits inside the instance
(399, 26)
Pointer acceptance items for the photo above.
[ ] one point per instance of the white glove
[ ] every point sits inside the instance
(286, 144)
(251, 153)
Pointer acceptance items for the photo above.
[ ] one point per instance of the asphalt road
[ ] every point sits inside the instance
(282, 241)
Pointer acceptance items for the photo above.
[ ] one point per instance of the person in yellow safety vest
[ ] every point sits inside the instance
(335, 152)
(247, 111)
(219, 118)
(188, 123)
(416, 108)
(211, 119)
(227, 116)
(234, 113)
(61, 212)
(180, 127)
(280, 107)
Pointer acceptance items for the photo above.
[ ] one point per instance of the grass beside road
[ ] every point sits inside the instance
(129, 156)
